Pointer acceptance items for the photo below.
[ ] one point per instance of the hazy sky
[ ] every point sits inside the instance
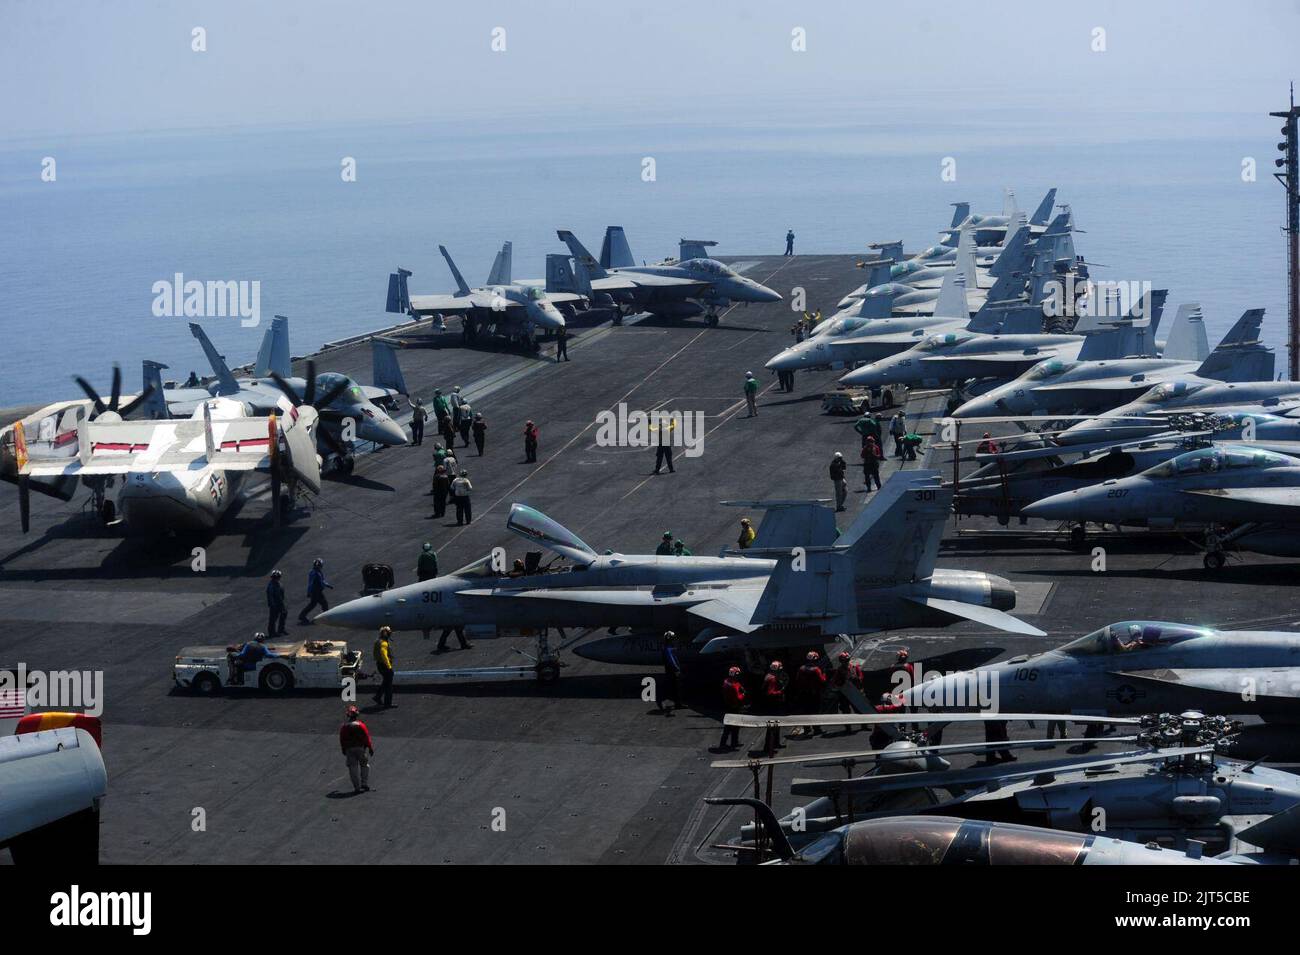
(89, 66)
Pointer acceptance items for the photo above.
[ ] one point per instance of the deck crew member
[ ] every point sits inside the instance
(672, 686)
(531, 435)
(460, 492)
(418, 416)
(276, 605)
(316, 587)
(247, 658)
(358, 747)
(426, 567)
(385, 664)
(480, 432)
(838, 470)
(733, 701)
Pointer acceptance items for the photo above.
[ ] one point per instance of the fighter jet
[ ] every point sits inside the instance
(1179, 398)
(175, 475)
(672, 290)
(1094, 387)
(958, 356)
(926, 268)
(879, 575)
(513, 310)
(1085, 386)
(349, 411)
(1144, 666)
(1245, 487)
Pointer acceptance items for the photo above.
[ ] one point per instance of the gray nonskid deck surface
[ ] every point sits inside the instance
(584, 771)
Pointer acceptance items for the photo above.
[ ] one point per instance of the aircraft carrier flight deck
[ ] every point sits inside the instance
(585, 770)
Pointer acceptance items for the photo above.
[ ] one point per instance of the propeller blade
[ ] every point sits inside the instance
(309, 393)
(137, 401)
(116, 394)
(288, 391)
(91, 393)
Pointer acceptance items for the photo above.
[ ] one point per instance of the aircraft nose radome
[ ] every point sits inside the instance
(782, 360)
(976, 408)
(355, 614)
(866, 375)
(768, 295)
(1057, 507)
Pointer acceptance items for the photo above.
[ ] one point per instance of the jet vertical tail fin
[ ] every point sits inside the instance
(502, 267)
(1044, 210)
(155, 406)
(614, 251)
(385, 368)
(879, 273)
(878, 305)
(461, 287)
(581, 256)
(1187, 339)
(896, 537)
(1241, 356)
(694, 249)
(1015, 252)
(226, 383)
(960, 213)
(1009, 207)
(273, 356)
(559, 274)
(951, 302)
(399, 299)
(966, 257)
(888, 250)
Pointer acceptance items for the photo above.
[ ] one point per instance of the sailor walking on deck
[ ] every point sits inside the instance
(316, 587)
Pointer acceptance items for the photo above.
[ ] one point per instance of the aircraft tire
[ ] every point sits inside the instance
(712, 321)
(548, 673)
(107, 511)
(1214, 560)
(1077, 535)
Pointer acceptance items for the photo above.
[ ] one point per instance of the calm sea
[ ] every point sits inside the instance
(1160, 199)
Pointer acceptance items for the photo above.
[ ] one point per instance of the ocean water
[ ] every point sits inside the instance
(1158, 198)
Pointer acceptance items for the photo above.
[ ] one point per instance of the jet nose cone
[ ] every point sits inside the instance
(766, 294)
(782, 360)
(363, 614)
(976, 408)
(1057, 507)
(868, 375)
(391, 433)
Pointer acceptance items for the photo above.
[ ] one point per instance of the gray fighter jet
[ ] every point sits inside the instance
(348, 411)
(1250, 489)
(510, 309)
(962, 355)
(1093, 386)
(673, 290)
(804, 589)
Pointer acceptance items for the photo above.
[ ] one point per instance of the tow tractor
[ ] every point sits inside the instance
(856, 401)
(305, 664)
